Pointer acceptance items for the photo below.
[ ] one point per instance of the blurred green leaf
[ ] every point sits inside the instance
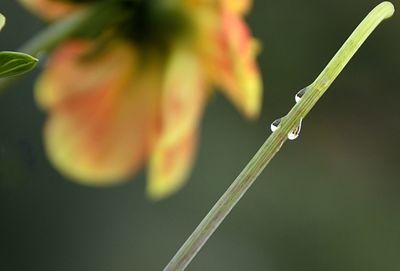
(2, 21)
(13, 63)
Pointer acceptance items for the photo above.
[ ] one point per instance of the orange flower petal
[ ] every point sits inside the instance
(233, 64)
(99, 134)
(182, 106)
(49, 9)
(55, 85)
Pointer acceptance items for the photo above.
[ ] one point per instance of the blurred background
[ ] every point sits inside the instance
(328, 201)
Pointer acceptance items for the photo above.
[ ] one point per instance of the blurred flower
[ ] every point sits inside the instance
(137, 90)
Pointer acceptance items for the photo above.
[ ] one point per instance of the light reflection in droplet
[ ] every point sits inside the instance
(275, 124)
(294, 134)
(300, 94)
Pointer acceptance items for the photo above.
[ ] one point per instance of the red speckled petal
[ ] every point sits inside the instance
(233, 66)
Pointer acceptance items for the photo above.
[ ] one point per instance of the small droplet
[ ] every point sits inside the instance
(294, 134)
(275, 125)
(300, 94)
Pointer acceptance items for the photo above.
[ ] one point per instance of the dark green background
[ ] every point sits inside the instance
(329, 201)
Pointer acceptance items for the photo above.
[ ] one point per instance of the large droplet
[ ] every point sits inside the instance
(294, 134)
(275, 124)
(300, 94)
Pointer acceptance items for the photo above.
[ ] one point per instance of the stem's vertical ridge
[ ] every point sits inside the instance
(273, 144)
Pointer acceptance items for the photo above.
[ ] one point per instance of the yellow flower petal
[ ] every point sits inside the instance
(234, 66)
(182, 106)
(49, 9)
(99, 133)
(238, 6)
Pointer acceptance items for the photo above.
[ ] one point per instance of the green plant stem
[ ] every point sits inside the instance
(56, 32)
(273, 144)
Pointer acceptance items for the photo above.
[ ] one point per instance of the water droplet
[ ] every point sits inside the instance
(275, 124)
(300, 94)
(294, 134)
